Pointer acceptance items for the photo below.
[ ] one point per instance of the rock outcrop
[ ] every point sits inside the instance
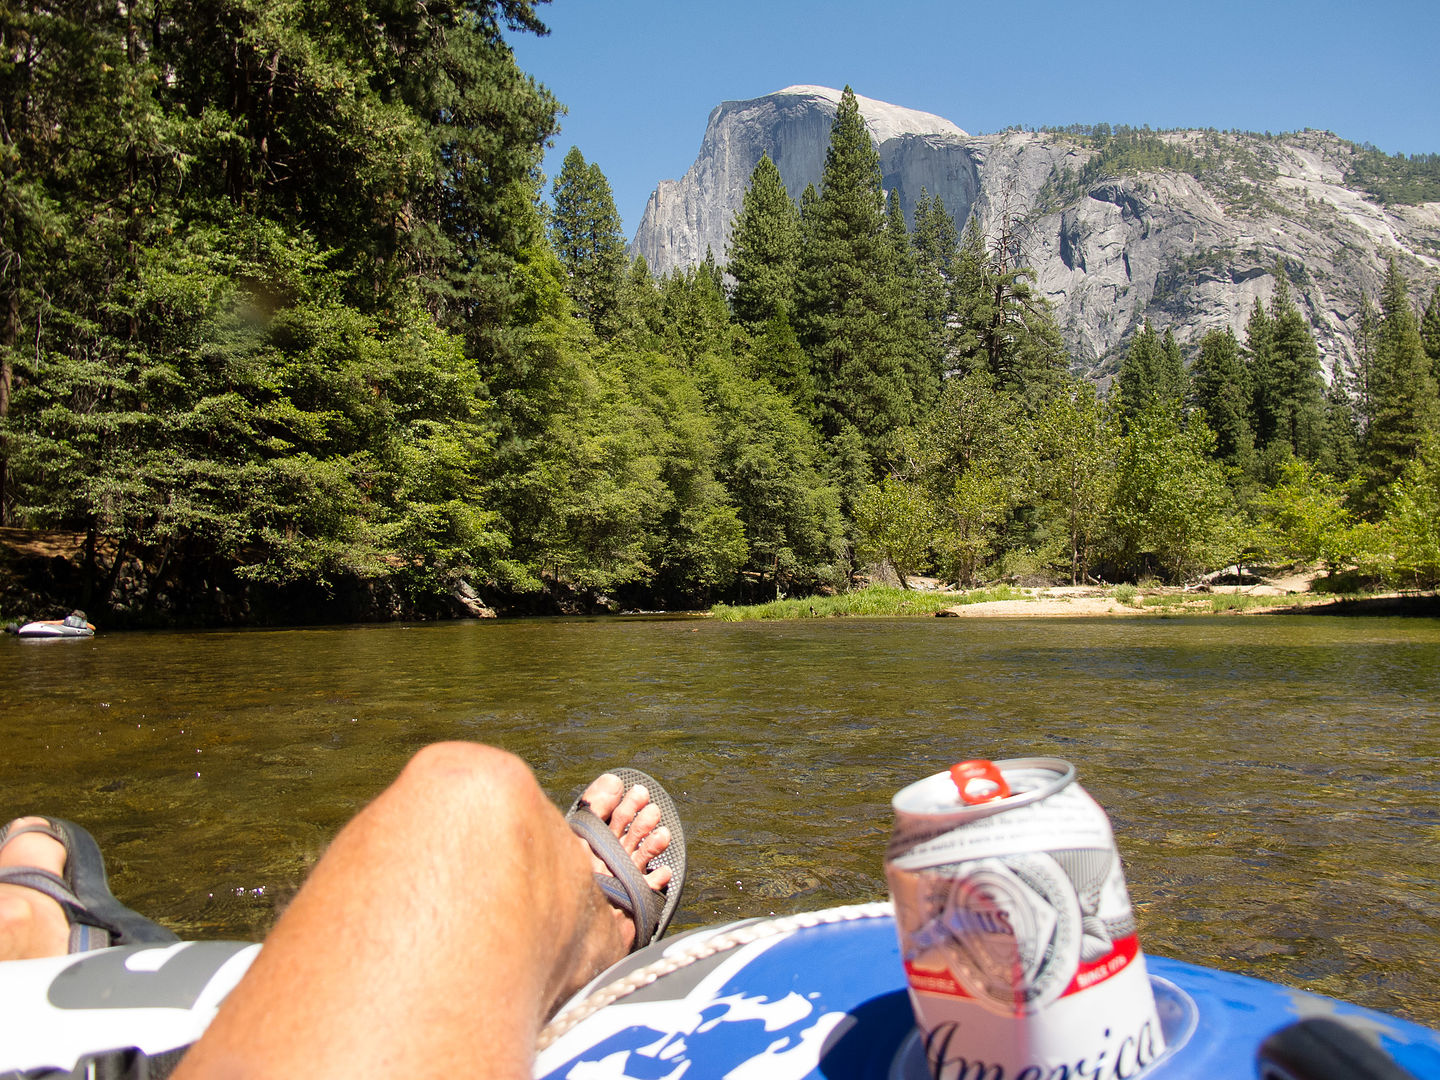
(1187, 249)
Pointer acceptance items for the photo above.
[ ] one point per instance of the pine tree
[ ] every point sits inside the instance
(935, 244)
(1291, 396)
(764, 249)
(1259, 350)
(641, 314)
(923, 357)
(1339, 454)
(1152, 375)
(1403, 405)
(585, 232)
(1430, 334)
(1002, 325)
(1222, 391)
(697, 319)
(844, 297)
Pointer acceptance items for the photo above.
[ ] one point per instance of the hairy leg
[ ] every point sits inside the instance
(31, 924)
(446, 922)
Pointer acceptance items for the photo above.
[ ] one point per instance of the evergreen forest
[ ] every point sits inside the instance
(289, 309)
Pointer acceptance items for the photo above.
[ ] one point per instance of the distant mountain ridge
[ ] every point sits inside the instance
(1188, 246)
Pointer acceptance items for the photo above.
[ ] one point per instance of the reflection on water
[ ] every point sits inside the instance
(1273, 782)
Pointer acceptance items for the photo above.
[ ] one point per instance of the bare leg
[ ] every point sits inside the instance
(32, 924)
(435, 936)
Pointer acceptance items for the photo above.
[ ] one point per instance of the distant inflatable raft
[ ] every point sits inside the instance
(819, 996)
(57, 628)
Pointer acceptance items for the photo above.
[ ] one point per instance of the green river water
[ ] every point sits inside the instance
(1274, 782)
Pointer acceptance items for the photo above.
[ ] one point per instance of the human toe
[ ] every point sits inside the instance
(32, 849)
(652, 847)
(604, 795)
(635, 800)
(641, 829)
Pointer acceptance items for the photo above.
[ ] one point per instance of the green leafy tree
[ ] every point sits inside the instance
(1259, 359)
(923, 355)
(1076, 470)
(1171, 513)
(1305, 517)
(777, 357)
(247, 247)
(770, 462)
(970, 518)
(1412, 517)
(972, 458)
(764, 250)
(641, 315)
(1340, 433)
(585, 232)
(696, 318)
(935, 245)
(892, 519)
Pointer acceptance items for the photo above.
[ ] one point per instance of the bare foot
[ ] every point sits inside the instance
(636, 822)
(31, 924)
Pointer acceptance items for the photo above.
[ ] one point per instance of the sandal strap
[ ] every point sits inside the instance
(10, 831)
(625, 885)
(47, 884)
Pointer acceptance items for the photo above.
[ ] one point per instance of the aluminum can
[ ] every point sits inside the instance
(1015, 927)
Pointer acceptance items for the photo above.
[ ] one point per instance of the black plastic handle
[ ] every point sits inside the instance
(1324, 1049)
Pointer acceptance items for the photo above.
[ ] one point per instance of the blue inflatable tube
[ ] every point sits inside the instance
(812, 997)
(828, 1002)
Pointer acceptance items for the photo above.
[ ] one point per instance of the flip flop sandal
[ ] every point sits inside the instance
(625, 885)
(97, 919)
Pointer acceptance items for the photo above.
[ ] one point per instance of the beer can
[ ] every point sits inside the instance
(1015, 926)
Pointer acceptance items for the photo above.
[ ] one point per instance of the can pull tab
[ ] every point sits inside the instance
(979, 782)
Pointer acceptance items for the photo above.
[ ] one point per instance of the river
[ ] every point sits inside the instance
(1273, 781)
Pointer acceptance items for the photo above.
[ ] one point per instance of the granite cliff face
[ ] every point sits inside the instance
(1190, 250)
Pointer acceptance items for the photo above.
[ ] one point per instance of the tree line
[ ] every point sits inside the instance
(284, 304)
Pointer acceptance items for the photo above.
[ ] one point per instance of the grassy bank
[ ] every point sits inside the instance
(875, 600)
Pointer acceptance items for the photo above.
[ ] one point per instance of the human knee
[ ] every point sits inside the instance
(472, 773)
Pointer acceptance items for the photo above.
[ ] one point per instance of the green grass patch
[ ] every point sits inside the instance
(1166, 600)
(874, 600)
(1126, 594)
(1246, 602)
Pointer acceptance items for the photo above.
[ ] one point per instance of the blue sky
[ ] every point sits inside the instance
(640, 77)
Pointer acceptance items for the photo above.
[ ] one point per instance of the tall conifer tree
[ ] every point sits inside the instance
(1259, 358)
(1290, 391)
(844, 296)
(1002, 325)
(1403, 405)
(1152, 375)
(935, 243)
(1222, 391)
(904, 293)
(1430, 334)
(585, 232)
(764, 249)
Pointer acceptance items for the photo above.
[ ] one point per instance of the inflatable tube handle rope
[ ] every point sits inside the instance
(574, 1013)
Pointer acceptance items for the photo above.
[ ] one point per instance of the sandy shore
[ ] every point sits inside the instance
(1090, 601)
(1287, 594)
(1047, 607)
